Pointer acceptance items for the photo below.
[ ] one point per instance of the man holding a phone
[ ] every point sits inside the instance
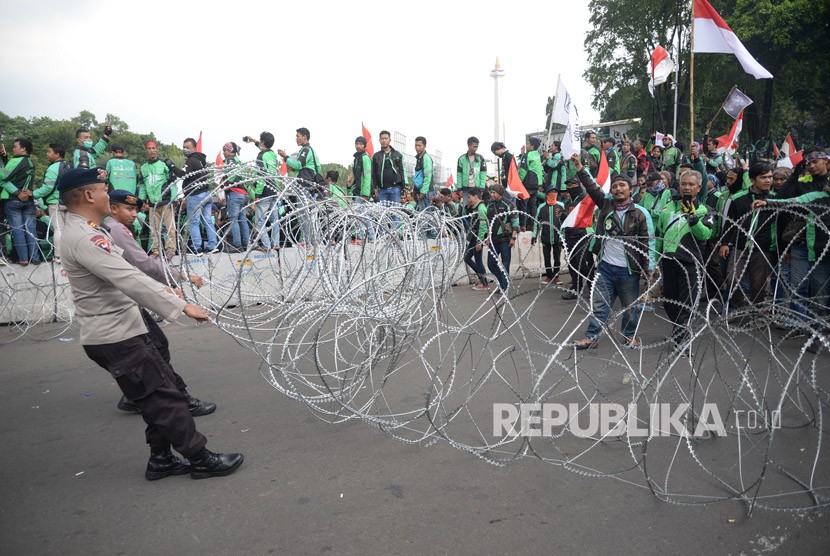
(683, 228)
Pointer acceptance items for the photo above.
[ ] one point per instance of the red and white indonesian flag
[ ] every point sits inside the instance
(788, 148)
(514, 184)
(712, 34)
(583, 213)
(728, 142)
(659, 69)
(791, 161)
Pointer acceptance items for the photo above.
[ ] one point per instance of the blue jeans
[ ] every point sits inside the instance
(197, 215)
(390, 195)
(501, 249)
(811, 287)
(612, 282)
(267, 216)
(365, 230)
(475, 261)
(240, 231)
(21, 218)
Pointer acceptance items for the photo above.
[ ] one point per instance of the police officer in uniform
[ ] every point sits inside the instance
(107, 292)
(123, 209)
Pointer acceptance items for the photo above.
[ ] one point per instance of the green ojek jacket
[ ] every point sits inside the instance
(122, 174)
(16, 175)
(84, 158)
(155, 176)
(422, 180)
(463, 172)
(48, 192)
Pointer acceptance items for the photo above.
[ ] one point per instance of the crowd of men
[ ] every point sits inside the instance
(713, 218)
(711, 227)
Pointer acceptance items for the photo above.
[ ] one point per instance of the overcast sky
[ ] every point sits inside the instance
(240, 67)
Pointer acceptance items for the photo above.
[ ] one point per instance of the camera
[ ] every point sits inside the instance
(687, 198)
(247, 139)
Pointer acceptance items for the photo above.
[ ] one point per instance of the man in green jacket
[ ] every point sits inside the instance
(683, 227)
(85, 153)
(121, 172)
(48, 194)
(471, 170)
(422, 178)
(533, 177)
(16, 177)
(157, 187)
(360, 180)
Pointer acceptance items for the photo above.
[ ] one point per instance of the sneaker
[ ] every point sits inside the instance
(586, 343)
(481, 288)
(556, 280)
(548, 280)
(633, 343)
(569, 295)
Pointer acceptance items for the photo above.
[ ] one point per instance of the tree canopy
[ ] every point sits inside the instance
(42, 131)
(788, 37)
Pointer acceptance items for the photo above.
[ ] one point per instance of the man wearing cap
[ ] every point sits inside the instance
(84, 156)
(157, 187)
(123, 207)
(625, 249)
(656, 196)
(471, 169)
(503, 222)
(577, 237)
(549, 218)
(108, 293)
(121, 172)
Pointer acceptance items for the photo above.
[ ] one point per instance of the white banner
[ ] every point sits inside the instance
(564, 112)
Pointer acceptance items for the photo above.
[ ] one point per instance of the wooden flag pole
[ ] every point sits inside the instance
(692, 81)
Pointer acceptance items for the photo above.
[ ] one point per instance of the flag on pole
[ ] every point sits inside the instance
(219, 160)
(775, 152)
(735, 102)
(791, 161)
(729, 141)
(199, 143)
(514, 184)
(582, 214)
(450, 182)
(564, 112)
(659, 69)
(370, 149)
(712, 34)
(788, 147)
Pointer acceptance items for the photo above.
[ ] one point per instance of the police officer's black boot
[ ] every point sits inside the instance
(163, 464)
(207, 464)
(126, 405)
(198, 407)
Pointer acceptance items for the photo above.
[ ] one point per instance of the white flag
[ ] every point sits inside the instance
(564, 112)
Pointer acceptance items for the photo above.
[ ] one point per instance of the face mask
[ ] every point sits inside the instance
(88, 144)
(187, 152)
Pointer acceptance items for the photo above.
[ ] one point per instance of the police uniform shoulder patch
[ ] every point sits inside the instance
(102, 242)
